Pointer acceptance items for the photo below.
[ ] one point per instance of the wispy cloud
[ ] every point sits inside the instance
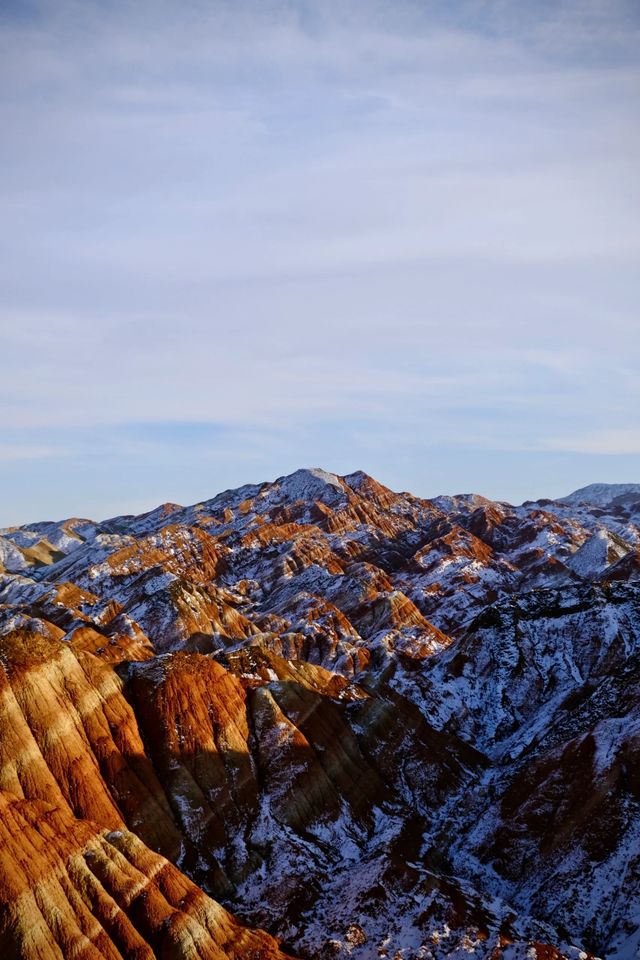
(613, 440)
(417, 219)
(16, 452)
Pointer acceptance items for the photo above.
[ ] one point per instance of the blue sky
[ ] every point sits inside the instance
(239, 238)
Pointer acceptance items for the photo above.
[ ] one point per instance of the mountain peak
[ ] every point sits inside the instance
(602, 494)
(311, 483)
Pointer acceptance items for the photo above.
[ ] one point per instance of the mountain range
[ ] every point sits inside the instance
(315, 718)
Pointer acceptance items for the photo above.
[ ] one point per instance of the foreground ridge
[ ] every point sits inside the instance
(366, 723)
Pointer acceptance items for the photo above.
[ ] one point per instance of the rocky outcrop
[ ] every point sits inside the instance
(71, 889)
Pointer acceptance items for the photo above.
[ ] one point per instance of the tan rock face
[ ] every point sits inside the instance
(71, 889)
(373, 724)
(81, 745)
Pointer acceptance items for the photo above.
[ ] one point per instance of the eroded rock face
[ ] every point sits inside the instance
(71, 889)
(371, 724)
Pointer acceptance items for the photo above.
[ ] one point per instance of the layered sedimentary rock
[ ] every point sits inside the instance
(371, 724)
(71, 889)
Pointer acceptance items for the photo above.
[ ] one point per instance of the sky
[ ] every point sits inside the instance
(238, 238)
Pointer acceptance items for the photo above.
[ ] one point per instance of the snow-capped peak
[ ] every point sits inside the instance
(602, 494)
(311, 484)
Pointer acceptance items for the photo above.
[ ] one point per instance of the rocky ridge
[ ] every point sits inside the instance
(370, 724)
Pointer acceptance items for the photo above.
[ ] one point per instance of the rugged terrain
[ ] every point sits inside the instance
(317, 718)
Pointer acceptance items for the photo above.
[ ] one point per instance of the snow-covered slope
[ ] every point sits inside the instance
(604, 494)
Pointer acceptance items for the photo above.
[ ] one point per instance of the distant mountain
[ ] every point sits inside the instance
(320, 719)
(603, 494)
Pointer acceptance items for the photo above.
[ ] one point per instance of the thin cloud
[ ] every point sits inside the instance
(16, 452)
(278, 217)
(614, 440)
